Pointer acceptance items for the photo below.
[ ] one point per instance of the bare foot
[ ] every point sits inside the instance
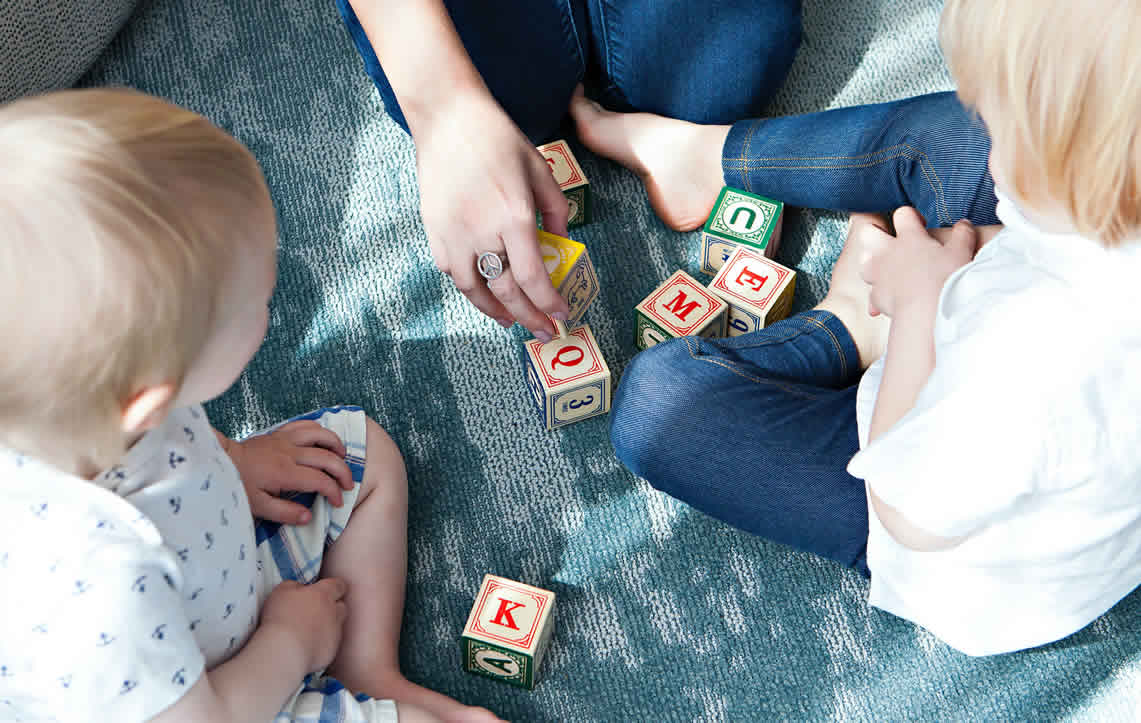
(849, 295)
(417, 704)
(679, 162)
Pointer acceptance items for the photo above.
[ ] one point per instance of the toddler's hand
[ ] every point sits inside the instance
(912, 267)
(301, 456)
(314, 614)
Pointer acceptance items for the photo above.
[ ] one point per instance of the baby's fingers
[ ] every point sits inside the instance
(275, 509)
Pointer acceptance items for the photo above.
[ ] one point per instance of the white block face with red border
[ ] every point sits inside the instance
(759, 291)
(508, 631)
(571, 179)
(568, 378)
(679, 307)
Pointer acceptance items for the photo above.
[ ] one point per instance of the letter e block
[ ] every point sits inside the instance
(572, 181)
(739, 218)
(508, 631)
(758, 290)
(568, 378)
(568, 264)
(679, 307)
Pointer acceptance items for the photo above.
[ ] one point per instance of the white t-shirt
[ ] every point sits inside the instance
(1026, 439)
(119, 592)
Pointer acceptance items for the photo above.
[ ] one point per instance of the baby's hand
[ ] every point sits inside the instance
(301, 456)
(912, 268)
(314, 614)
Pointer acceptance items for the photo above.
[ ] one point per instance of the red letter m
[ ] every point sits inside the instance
(678, 306)
(504, 613)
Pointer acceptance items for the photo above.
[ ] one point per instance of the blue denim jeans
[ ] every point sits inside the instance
(928, 152)
(715, 61)
(755, 430)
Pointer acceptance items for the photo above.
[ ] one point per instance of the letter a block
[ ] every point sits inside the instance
(508, 631)
(679, 307)
(568, 264)
(568, 378)
(758, 290)
(739, 218)
(572, 181)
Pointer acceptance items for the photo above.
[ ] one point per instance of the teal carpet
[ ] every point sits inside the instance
(664, 614)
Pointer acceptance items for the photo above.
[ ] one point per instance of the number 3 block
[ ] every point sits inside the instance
(508, 631)
(758, 290)
(568, 378)
(568, 264)
(679, 307)
(739, 218)
(572, 181)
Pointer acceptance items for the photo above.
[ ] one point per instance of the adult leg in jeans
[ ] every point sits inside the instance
(757, 430)
(928, 152)
(645, 53)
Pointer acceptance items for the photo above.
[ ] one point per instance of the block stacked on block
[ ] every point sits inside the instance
(679, 307)
(758, 291)
(568, 174)
(508, 631)
(572, 274)
(739, 218)
(568, 378)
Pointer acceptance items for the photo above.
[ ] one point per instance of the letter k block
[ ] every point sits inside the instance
(508, 631)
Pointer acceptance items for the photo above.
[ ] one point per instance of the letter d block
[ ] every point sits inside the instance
(568, 378)
(739, 218)
(758, 290)
(679, 307)
(572, 181)
(568, 264)
(508, 631)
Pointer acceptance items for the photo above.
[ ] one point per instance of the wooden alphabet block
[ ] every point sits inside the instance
(508, 631)
(679, 307)
(568, 378)
(758, 290)
(572, 181)
(739, 218)
(572, 274)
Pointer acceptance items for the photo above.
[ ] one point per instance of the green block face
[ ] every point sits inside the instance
(647, 333)
(492, 661)
(743, 217)
(579, 201)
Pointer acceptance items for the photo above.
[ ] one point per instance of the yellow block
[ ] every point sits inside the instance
(559, 255)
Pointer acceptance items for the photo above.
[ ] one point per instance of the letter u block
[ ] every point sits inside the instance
(739, 218)
(679, 307)
(572, 181)
(508, 631)
(758, 290)
(568, 264)
(568, 378)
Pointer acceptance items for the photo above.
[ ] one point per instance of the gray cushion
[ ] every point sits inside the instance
(47, 44)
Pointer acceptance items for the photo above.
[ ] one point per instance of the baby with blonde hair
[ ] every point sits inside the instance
(985, 470)
(137, 260)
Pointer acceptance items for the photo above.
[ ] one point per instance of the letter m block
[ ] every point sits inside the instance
(679, 307)
(508, 631)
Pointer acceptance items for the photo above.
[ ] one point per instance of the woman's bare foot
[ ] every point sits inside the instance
(679, 162)
(849, 295)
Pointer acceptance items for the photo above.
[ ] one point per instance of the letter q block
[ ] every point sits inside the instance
(758, 290)
(679, 307)
(572, 181)
(739, 218)
(508, 631)
(572, 274)
(568, 378)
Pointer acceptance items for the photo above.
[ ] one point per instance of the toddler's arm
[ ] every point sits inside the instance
(300, 632)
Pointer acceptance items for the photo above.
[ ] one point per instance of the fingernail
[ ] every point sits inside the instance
(305, 517)
(560, 315)
(505, 323)
(543, 336)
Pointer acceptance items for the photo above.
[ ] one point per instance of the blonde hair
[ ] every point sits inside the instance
(1060, 85)
(120, 215)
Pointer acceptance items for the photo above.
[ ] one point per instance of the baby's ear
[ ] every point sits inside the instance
(147, 408)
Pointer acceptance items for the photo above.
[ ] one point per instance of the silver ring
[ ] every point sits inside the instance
(491, 265)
